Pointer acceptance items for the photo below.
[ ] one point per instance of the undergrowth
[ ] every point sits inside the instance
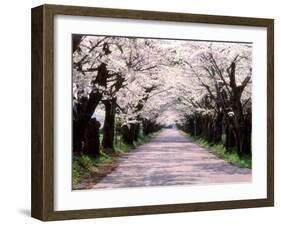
(220, 151)
(85, 166)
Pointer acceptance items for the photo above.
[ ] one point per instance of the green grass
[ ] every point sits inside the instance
(220, 151)
(84, 166)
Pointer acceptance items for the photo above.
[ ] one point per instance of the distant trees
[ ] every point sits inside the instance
(146, 83)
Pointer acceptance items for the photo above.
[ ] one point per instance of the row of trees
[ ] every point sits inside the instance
(222, 111)
(146, 83)
(116, 73)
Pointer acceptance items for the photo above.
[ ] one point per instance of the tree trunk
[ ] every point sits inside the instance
(127, 133)
(217, 130)
(108, 126)
(92, 143)
(199, 126)
(146, 125)
(238, 124)
(243, 128)
(79, 128)
(82, 113)
(242, 140)
(210, 126)
(247, 135)
(229, 136)
(205, 124)
(76, 40)
(136, 131)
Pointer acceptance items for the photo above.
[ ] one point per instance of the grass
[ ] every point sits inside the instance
(220, 151)
(84, 166)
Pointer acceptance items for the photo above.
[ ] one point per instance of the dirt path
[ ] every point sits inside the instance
(172, 159)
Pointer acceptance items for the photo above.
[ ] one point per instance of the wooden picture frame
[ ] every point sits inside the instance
(43, 112)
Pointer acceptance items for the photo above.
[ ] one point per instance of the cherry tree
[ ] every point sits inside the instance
(95, 75)
(101, 67)
(224, 71)
(204, 87)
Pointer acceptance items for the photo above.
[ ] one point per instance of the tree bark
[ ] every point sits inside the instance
(92, 143)
(109, 124)
(247, 146)
(82, 113)
(217, 130)
(229, 136)
(239, 121)
(127, 133)
(136, 131)
(76, 40)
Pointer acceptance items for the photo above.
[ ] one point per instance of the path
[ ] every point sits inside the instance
(172, 159)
